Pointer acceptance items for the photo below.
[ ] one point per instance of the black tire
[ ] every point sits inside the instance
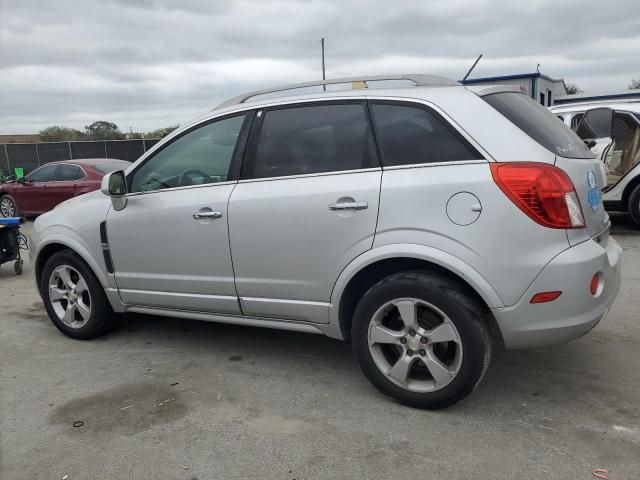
(464, 312)
(9, 198)
(634, 205)
(101, 318)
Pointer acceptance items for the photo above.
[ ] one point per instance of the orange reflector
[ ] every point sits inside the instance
(595, 283)
(543, 297)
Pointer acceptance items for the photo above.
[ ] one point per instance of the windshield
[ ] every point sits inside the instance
(539, 123)
(108, 167)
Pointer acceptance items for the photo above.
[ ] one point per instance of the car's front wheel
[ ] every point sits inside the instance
(8, 207)
(421, 339)
(73, 297)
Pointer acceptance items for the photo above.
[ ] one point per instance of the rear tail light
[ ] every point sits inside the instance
(542, 191)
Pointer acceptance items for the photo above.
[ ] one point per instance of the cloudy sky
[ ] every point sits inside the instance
(151, 63)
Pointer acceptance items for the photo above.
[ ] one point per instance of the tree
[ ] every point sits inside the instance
(572, 88)
(160, 132)
(102, 130)
(635, 83)
(60, 134)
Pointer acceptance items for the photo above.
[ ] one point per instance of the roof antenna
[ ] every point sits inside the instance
(538, 68)
(472, 67)
(324, 87)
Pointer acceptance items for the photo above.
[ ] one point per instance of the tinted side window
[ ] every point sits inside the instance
(44, 174)
(411, 135)
(69, 172)
(595, 123)
(201, 156)
(539, 123)
(312, 139)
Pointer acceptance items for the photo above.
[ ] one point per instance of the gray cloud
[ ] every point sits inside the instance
(148, 63)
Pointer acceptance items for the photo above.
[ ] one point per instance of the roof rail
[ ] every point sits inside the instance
(358, 82)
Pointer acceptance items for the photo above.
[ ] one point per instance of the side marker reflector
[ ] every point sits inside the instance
(544, 297)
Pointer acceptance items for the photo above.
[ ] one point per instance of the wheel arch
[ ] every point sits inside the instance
(628, 189)
(46, 251)
(371, 267)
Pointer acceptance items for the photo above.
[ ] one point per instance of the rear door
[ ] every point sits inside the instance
(305, 207)
(66, 183)
(626, 151)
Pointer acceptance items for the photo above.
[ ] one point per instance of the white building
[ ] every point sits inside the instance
(540, 87)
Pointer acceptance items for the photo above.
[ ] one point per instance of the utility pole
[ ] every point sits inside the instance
(472, 67)
(324, 77)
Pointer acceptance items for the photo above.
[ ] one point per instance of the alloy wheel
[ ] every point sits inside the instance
(69, 296)
(415, 344)
(7, 207)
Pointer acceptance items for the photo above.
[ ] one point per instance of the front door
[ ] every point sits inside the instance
(33, 195)
(170, 244)
(306, 206)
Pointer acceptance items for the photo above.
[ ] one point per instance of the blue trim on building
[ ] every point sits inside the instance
(518, 76)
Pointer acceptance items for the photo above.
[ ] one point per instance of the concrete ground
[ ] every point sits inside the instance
(174, 399)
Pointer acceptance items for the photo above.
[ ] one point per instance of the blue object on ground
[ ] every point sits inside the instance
(11, 221)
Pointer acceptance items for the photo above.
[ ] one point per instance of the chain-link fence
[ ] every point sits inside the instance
(30, 156)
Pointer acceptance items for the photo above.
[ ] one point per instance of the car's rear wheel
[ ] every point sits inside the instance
(421, 339)
(73, 297)
(634, 205)
(8, 207)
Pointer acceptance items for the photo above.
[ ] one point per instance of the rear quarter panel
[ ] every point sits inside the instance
(503, 245)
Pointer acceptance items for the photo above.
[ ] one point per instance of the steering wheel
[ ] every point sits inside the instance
(192, 171)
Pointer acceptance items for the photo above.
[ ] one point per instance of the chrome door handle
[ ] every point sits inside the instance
(348, 206)
(202, 215)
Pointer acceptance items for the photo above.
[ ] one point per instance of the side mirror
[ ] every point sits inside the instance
(114, 185)
(590, 142)
(596, 123)
(22, 180)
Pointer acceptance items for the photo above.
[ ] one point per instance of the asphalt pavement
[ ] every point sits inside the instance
(164, 398)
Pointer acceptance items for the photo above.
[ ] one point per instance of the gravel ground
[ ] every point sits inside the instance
(166, 398)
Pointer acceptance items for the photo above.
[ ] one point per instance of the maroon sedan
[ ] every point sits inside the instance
(53, 183)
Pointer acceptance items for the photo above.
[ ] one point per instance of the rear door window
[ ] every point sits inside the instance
(69, 173)
(300, 140)
(539, 123)
(414, 134)
(596, 124)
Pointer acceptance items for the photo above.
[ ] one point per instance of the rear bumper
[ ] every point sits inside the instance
(576, 311)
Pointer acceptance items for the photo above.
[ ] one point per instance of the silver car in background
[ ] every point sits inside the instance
(422, 220)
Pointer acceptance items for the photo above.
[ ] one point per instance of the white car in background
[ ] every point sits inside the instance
(613, 130)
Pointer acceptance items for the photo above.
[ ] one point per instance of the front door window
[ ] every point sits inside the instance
(202, 156)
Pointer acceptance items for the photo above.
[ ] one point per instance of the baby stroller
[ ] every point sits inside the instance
(11, 242)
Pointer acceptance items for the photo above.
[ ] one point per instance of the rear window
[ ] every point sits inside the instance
(539, 123)
(414, 135)
(109, 167)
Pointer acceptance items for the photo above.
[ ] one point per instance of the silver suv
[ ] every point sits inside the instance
(421, 219)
